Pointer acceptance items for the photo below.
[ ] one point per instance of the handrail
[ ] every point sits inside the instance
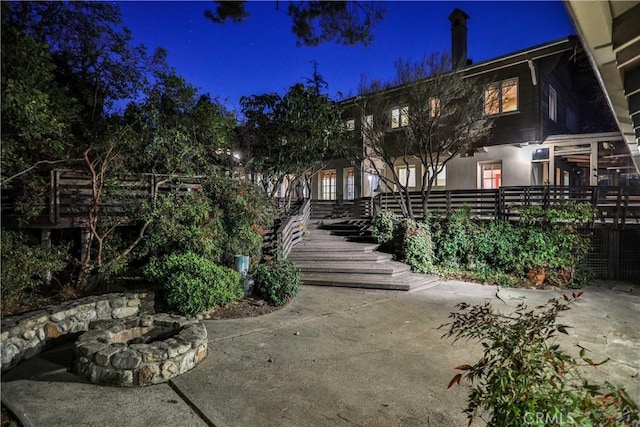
(292, 229)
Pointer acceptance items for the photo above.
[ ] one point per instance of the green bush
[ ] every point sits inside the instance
(25, 268)
(453, 239)
(185, 222)
(417, 248)
(384, 224)
(277, 281)
(194, 284)
(523, 372)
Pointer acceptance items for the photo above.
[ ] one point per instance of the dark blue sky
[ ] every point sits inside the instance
(260, 55)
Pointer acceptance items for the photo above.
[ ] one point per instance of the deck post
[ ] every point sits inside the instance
(85, 238)
(45, 239)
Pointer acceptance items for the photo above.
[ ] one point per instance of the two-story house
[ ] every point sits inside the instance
(550, 126)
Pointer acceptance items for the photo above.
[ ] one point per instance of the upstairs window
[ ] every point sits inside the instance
(399, 117)
(350, 124)
(553, 104)
(501, 97)
(434, 107)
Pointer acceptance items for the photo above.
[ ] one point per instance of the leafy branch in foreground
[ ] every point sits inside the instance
(524, 377)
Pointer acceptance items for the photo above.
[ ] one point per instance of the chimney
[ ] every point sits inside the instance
(458, 37)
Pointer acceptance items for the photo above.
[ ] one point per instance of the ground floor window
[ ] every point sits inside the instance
(350, 187)
(441, 178)
(407, 176)
(328, 185)
(491, 175)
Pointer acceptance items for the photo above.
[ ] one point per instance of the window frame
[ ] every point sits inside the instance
(492, 178)
(500, 96)
(553, 103)
(400, 117)
(331, 185)
(412, 176)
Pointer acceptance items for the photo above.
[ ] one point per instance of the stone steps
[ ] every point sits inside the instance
(341, 253)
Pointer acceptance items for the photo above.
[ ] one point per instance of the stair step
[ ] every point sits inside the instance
(390, 268)
(334, 246)
(404, 282)
(330, 256)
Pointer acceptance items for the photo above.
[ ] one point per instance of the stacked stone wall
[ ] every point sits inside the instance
(26, 335)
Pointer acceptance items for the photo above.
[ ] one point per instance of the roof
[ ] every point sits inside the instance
(491, 65)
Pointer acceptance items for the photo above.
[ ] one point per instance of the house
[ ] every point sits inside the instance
(548, 128)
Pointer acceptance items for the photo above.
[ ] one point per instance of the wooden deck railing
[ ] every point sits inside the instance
(614, 205)
(293, 228)
(70, 196)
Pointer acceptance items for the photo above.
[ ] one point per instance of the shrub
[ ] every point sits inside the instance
(453, 238)
(194, 284)
(416, 246)
(384, 224)
(524, 372)
(186, 222)
(277, 281)
(25, 269)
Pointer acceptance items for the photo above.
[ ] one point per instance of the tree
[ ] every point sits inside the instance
(438, 115)
(315, 22)
(289, 137)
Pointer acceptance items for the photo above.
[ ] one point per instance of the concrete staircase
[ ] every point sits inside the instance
(342, 253)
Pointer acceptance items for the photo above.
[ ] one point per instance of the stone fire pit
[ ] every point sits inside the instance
(141, 351)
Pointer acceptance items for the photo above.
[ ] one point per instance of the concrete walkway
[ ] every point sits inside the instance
(334, 356)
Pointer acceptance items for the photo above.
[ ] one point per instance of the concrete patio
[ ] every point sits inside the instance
(334, 356)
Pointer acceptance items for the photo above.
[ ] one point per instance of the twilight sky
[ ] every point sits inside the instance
(260, 55)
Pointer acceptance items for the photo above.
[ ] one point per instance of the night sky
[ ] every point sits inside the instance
(260, 55)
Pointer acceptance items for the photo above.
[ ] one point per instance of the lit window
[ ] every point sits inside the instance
(491, 175)
(441, 178)
(399, 117)
(349, 194)
(553, 104)
(350, 124)
(410, 180)
(501, 97)
(434, 107)
(328, 190)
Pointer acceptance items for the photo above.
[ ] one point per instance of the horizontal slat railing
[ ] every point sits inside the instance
(614, 205)
(292, 229)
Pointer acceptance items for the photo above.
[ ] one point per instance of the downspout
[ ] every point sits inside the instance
(534, 81)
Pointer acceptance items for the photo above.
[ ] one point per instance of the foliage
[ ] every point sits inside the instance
(442, 116)
(185, 222)
(289, 137)
(316, 22)
(488, 250)
(194, 283)
(453, 238)
(278, 281)
(174, 130)
(384, 224)
(26, 267)
(567, 213)
(417, 247)
(408, 240)
(524, 377)
(244, 216)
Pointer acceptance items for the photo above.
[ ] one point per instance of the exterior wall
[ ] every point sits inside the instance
(521, 125)
(464, 172)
